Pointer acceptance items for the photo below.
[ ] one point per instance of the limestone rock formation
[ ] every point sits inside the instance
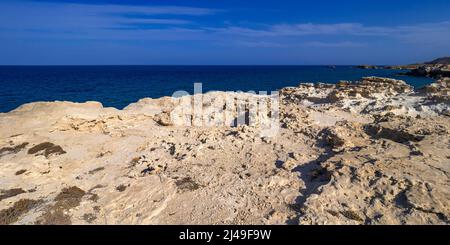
(369, 87)
(439, 91)
(431, 70)
(367, 152)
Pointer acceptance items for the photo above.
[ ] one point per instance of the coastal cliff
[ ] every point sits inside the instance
(437, 68)
(431, 70)
(368, 152)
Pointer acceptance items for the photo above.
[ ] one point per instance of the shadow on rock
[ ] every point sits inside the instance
(314, 176)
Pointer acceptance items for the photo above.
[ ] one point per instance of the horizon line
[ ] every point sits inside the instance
(381, 65)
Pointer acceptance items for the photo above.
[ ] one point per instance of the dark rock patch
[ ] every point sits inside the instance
(70, 197)
(46, 149)
(121, 188)
(11, 193)
(187, 184)
(56, 214)
(93, 171)
(93, 197)
(20, 172)
(12, 214)
(332, 138)
(12, 150)
(334, 213)
(147, 170)
(398, 136)
(89, 218)
(349, 214)
(321, 175)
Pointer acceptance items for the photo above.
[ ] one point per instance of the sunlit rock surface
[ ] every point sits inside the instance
(370, 152)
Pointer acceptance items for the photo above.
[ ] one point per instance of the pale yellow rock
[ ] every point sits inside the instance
(372, 152)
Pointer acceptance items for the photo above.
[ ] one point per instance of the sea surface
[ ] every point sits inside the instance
(118, 86)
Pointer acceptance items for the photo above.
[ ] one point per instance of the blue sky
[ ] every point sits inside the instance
(216, 32)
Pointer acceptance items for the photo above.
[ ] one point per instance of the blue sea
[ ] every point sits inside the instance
(118, 86)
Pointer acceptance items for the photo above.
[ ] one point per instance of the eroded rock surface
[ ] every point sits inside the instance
(439, 91)
(370, 152)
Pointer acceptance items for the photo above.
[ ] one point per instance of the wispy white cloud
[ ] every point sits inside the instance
(354, 29)
(241, 31)
(128, 9)
(124, 22)
(259, 44)
(344, 44)
(138, 21)
(65, 16)
(425, 34)
(292, 34)
(312, 44)
(315, 29)
(149, 10)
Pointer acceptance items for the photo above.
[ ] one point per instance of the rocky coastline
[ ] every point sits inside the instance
(369, 152)
(436, 69)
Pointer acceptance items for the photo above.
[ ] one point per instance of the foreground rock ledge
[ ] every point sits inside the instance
(372, 152)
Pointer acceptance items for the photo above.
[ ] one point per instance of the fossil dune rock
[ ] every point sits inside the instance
(369, 152)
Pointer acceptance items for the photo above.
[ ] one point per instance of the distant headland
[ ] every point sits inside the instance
(436, 68)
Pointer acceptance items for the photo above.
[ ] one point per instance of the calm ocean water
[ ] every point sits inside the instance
(118, 86)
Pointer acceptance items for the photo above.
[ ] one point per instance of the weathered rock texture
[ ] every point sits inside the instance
(439, 91)
(434, 71)
(438, 68)
(371, 152)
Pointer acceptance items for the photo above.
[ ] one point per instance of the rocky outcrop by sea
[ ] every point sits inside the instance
(433, 71)
(368, 67)
(437, 68)
(368, 152)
